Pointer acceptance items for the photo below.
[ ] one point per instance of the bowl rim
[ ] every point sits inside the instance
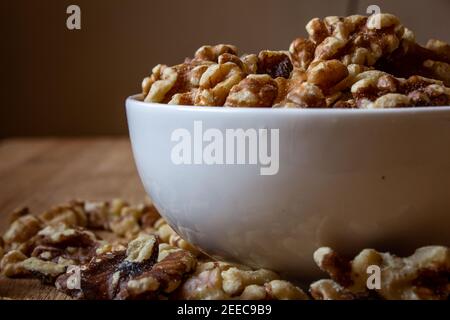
(136, 100)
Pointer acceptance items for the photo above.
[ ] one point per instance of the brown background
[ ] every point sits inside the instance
(74, 83)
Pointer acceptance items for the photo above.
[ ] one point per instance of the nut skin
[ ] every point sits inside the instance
(274, 63)
(411, 59)
(104, 275)
(165, 276)
(140, 272)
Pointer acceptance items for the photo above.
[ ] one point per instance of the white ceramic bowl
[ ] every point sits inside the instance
(349, 179)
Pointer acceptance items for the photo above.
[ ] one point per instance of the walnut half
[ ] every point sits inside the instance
(254, 91)
(425, 275)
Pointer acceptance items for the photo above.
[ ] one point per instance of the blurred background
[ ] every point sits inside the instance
(57, 82)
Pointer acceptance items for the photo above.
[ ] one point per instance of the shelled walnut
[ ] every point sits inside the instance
(136, 273)
(156, 263)
(21, 230)
(355, 39)
(218, 280)
(16, 264)
(216, 83)
(253, 91)
(336, 51)
(424, 275)
(376, 89)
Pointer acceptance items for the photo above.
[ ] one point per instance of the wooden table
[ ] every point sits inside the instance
(39, 173)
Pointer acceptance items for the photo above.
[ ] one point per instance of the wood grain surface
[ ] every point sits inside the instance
(40, 173)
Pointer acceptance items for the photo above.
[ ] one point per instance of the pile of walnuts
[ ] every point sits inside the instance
(346, 62)
(113, 250)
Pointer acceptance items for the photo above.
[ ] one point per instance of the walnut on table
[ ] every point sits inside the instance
(16, 264)
(133, 219)
(89, 268)
(71, 214)
(167, 235)
(90, 214)
(48, 253)
(44, 246)
(219, 280)
(21, 230)
(423, 275)
(136, 273)
(273, 290)
(164, 277)
(103, 275)
(64, 245)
